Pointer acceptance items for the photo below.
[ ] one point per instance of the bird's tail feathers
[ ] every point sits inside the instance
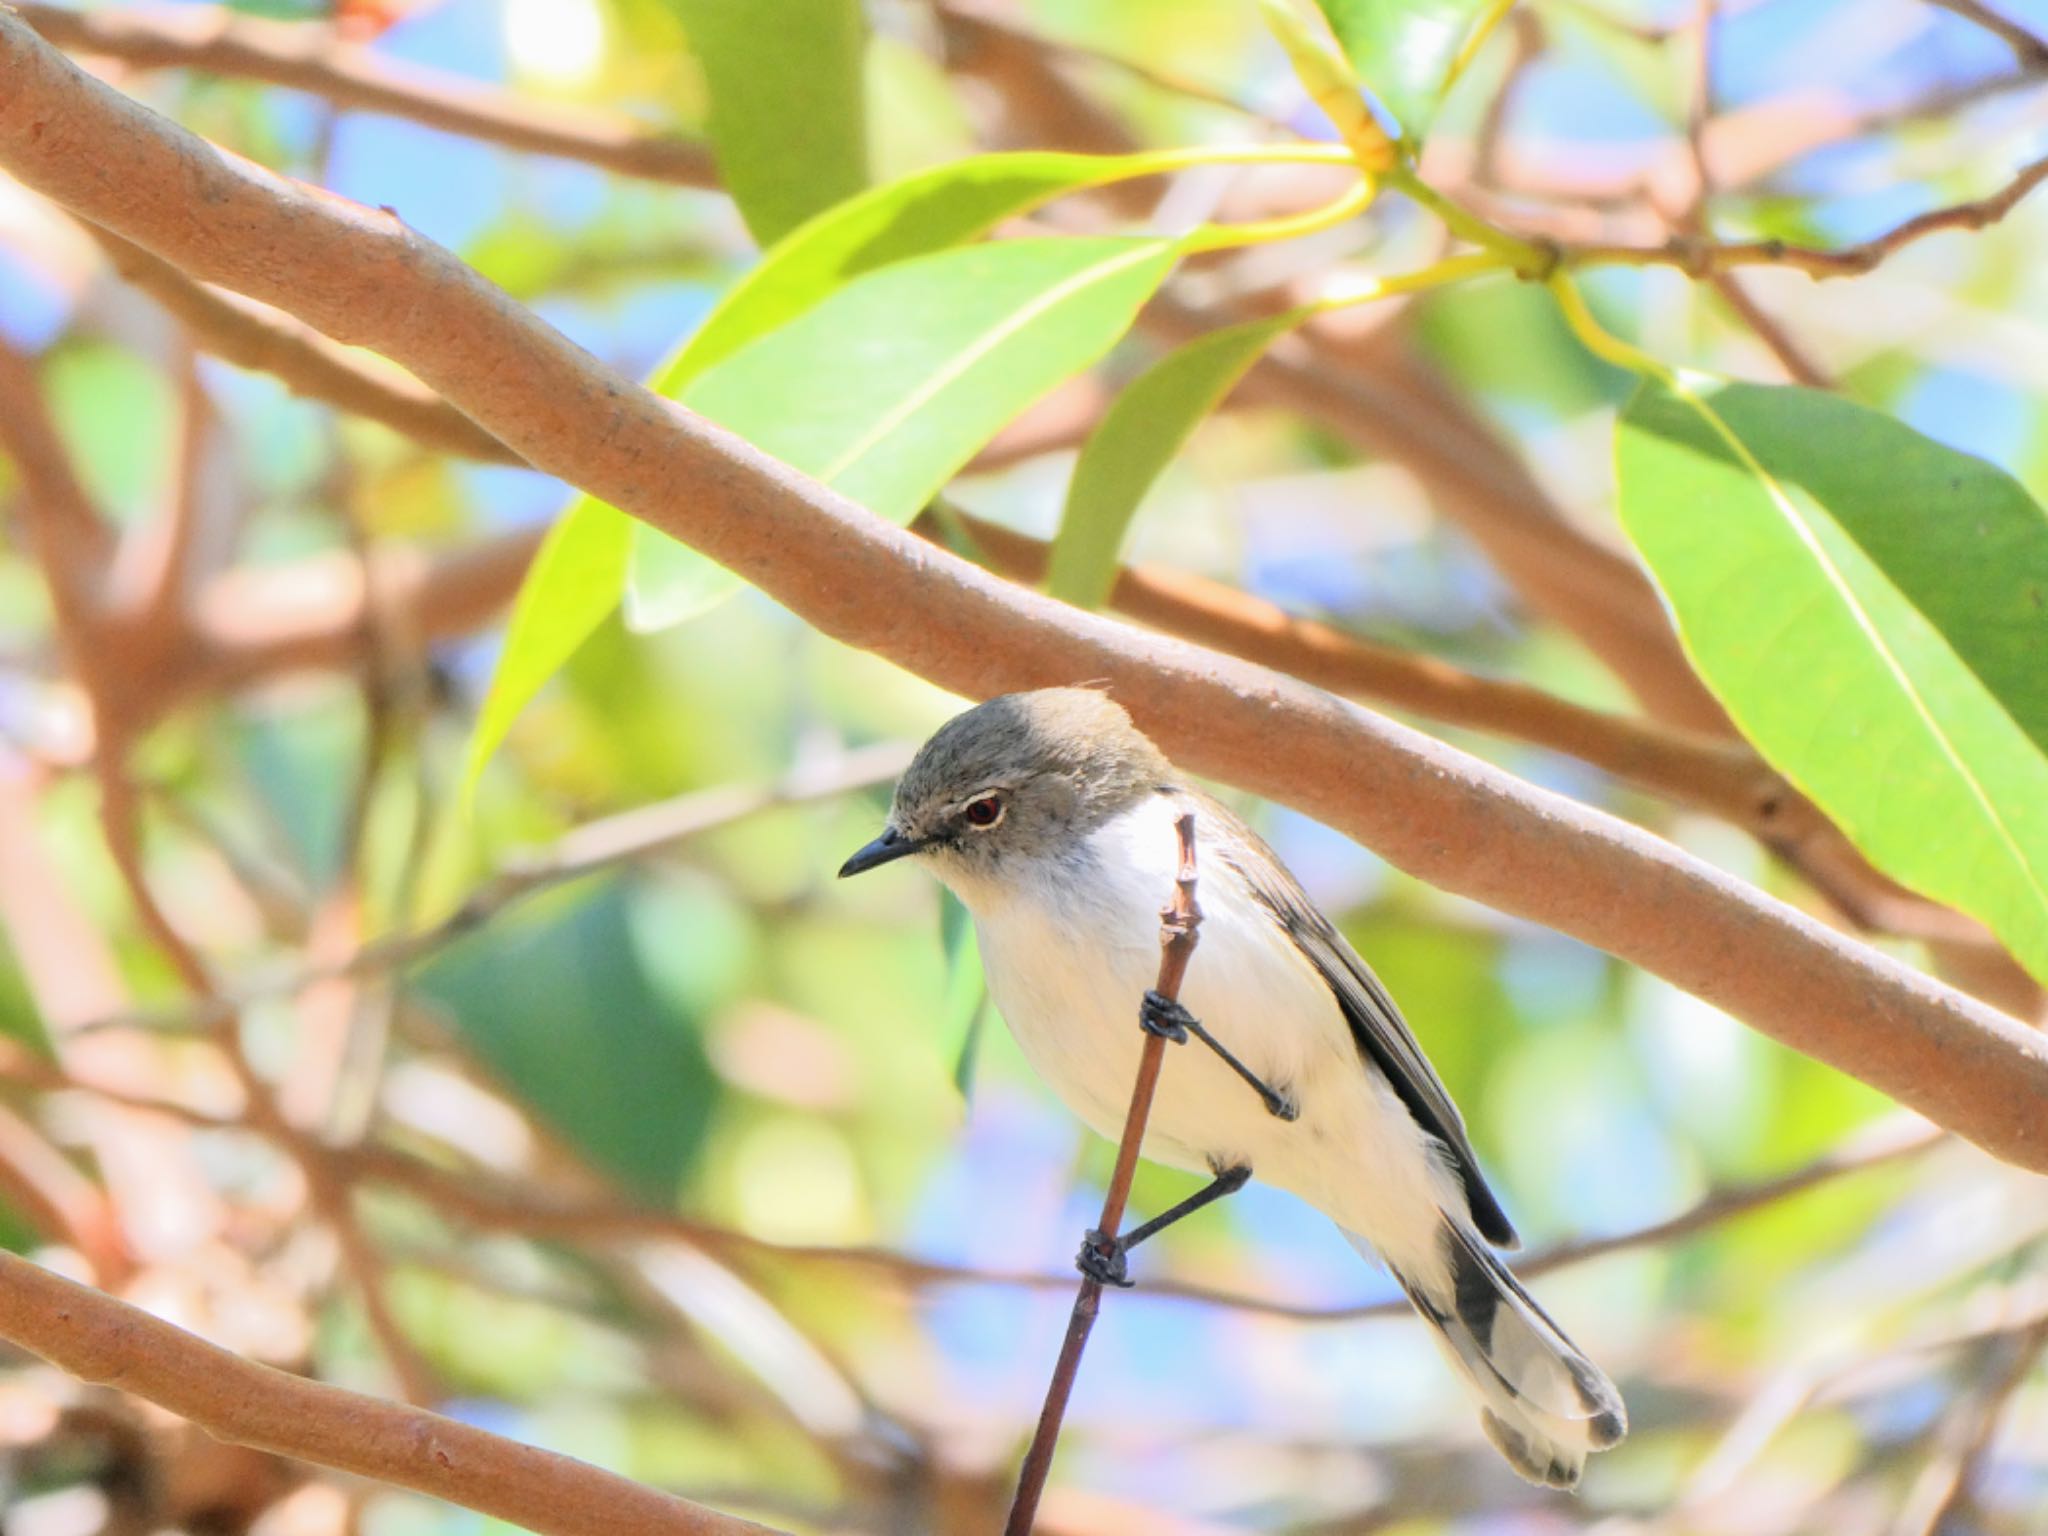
(1544, 1405)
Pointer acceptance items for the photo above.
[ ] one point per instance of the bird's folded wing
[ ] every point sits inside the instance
(1383, 1036)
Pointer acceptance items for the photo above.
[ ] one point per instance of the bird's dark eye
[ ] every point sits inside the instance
(985, 812)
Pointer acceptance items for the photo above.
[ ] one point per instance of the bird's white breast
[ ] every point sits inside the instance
(1070, 946)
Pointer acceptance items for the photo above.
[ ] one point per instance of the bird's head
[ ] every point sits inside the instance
(1023, 777)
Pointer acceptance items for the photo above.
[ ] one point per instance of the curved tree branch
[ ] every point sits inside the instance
(364, 278)
(99, 1339)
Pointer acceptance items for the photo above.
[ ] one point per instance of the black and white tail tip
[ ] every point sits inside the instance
(1545, 1406)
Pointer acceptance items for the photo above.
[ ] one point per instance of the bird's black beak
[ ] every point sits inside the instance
(889, 846)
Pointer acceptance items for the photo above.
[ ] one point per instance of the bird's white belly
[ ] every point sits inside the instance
(1068, 960)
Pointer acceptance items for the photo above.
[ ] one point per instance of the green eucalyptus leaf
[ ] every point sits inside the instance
(887, 410)
(947, 205)
(932, 210)
(1136, 439)
(788, 108)
(1404, 50)
(1863, 601)
(574, 584)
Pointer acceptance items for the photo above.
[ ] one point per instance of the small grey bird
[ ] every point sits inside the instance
(1052, 818)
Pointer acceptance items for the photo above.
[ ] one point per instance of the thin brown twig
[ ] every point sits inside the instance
(1697, 220)
(481, 1204)
(155, 566)
(1792, 356)
(254, 336)
(2030, 50)
(315, 57)
(20, 1065)
(1706, 258)
(484, 1204)
(342, 1023)
(64, 531)
(1947, 1484)
(1528, 43)
(587, 850)
(1180, 923)
(328, 1192)
(996, 20)
(59, 1202)
(1392, 403)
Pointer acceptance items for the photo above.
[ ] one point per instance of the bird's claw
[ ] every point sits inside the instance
(1282, 1106)
(1160, 1015)
(1101, 1259)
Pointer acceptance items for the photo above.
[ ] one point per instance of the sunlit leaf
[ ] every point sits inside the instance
(1136, 439)
(888, 412)
(575, 582)
(948, 205)
(788, 111)
(1404, 51)
(1863, 601)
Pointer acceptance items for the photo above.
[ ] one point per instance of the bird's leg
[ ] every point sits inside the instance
(1101, 1258)
(1161, 1015)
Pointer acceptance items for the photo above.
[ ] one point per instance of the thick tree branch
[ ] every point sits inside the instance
(1708, 773)
(308, 56)
(364, 278)
(99, 1339)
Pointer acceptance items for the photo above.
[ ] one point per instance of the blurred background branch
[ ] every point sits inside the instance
(582, 1108)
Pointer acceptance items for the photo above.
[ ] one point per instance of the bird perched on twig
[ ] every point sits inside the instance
(1051, 817)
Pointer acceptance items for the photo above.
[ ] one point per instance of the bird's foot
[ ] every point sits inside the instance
(1102, 1259)
(1160, 1015)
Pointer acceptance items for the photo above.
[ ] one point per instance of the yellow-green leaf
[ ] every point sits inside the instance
(1858, 597)
(1135, 440)
(788, 109)
(574, 583)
